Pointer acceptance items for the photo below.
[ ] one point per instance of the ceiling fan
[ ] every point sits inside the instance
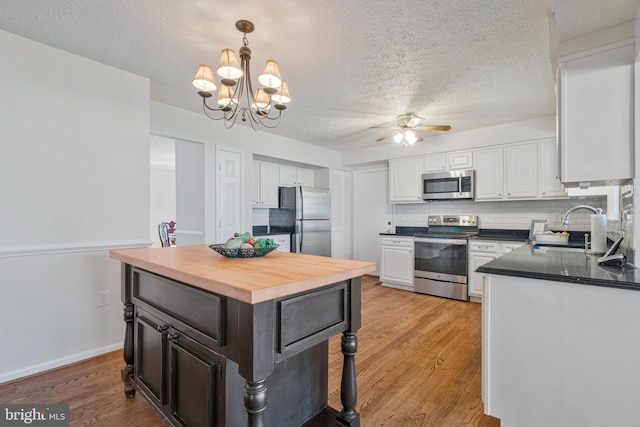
(405, 128)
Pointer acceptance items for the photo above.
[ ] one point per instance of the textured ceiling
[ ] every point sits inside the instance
(349, 64)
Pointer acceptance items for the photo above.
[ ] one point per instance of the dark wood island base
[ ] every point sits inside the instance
(203, 358)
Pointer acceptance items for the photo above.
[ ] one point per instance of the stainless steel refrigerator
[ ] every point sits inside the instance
(304, 212)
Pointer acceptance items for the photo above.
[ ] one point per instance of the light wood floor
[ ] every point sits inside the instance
(418, 364)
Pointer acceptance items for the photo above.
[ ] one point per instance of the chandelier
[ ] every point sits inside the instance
(236, 97)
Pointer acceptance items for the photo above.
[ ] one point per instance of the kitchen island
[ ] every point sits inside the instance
(215, 341)
(560, 340)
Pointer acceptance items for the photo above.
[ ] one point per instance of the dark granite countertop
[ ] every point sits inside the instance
(406, 231)
(263, 230)
(502, 235)
(576, 238)
(575, 267)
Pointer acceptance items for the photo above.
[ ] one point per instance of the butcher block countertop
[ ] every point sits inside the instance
(250, 280)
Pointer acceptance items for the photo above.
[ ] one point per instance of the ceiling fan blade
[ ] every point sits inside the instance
(433, 127)
(382, 138)
(382, 127)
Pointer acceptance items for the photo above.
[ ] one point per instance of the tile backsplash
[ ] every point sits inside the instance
(504, 215)
(260, 216)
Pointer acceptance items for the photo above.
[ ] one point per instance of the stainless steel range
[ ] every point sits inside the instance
(441, 256)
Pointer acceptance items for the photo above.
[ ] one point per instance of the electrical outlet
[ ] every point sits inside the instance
(103, 299)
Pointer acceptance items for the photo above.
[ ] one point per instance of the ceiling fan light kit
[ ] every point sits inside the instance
(406, 137)
(236, 97)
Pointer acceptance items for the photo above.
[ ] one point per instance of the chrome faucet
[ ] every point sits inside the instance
(565, 220)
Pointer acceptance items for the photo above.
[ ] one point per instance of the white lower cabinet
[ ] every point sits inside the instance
(283, 241)
(480, 253)
(396, 262)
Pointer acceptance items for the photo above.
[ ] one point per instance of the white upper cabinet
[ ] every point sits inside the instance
(266, 181)
(490, 173)
(291, 176)
(524, 170)
(461, 160)
(405, 180)
(595, 115)
(448, 161)
(305, 177)
(518, 171)
(521, 171)
(549, 170)
(434, 163)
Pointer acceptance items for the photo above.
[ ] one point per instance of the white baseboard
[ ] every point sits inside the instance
(19, 373)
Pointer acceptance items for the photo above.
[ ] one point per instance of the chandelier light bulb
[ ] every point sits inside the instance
(398, 137)
(228, 67)
(282, 96)
(226, 96)
(203, 80)
(270, 76)
(262, 100)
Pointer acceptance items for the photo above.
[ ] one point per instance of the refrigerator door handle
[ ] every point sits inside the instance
(301, 235)
(299, 189)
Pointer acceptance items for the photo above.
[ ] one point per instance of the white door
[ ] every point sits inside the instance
(228, 194)
(371, 212)
(341, 199)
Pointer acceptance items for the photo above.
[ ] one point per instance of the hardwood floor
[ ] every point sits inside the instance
(418, 364)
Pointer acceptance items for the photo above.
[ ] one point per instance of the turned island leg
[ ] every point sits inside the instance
(127, 352)
(348, 389)
(255, 402)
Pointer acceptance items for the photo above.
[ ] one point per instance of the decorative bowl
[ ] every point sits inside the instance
(242, 253)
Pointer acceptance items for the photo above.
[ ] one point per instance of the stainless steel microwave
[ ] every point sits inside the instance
(456, 184)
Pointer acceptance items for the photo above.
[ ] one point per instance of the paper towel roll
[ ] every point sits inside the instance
(599, 233)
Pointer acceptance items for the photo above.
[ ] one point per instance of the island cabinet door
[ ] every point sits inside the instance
(196, 383)
(150, 357)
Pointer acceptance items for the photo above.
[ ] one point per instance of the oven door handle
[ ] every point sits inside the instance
(441, 241)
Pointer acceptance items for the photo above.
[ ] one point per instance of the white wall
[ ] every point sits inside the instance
(75, 174)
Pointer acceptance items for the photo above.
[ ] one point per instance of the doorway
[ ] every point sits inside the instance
(162, 184)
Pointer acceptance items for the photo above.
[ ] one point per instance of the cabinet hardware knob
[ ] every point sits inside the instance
(172, 336)
(162, 328)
